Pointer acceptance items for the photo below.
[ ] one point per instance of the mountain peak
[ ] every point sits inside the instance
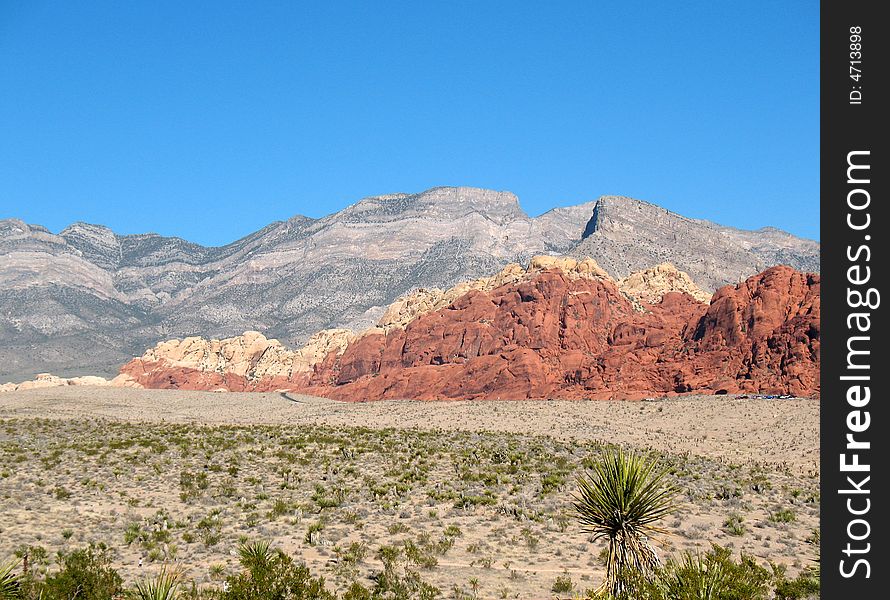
(627, 235)
(97, 243)
(610, 212)
(79, 226)
(438, 202)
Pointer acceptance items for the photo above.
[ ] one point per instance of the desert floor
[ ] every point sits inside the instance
(476, 496)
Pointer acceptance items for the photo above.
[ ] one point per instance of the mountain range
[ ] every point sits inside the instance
(86, 300)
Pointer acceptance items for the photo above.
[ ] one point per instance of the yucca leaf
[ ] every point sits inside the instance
(623, 497)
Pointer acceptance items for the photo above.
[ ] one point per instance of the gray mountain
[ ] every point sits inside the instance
(626, 235)
(86, 300)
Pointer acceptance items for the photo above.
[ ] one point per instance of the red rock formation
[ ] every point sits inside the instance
(556, 336)
(161, 375)
(765, 332)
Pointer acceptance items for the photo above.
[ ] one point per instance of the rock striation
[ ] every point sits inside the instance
(87, 299)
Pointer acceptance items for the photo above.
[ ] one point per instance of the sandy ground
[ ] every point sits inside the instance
(780, 432)
(475, 495)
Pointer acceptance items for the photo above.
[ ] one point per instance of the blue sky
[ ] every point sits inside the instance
(208, 120)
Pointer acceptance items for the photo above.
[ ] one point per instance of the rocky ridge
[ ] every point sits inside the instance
(626, 235)
(252, 361)
(87, 299)
(559, 329)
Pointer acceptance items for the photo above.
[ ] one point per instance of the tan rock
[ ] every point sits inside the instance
(88, 380)
(250, 356)
(650, 285)
(43, 380)
(48, 380)
(571, 267)
(125, 380)
(323, 342)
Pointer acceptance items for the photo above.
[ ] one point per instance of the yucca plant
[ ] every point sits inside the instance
(622, 499)
(10, 583)
(164, 586)
(256, 555)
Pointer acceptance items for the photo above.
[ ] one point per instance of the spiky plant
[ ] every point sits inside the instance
(164, 586)
(694, 577)
(624, 496)
(10, 583)
(714, 575)
(255, 555)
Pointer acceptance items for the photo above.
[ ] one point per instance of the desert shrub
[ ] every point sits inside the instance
(563, 584)
(272, 575)
(353, 554)
(783, 515)
(255, 555)
(164, 586)
(397, 582)
(192, 485)
(735, 525)
(357, 591)
(551, 482)
(453, 531)
(713, 575)
(473, 500)
(802, 587)
(85, 574)
(420, 555)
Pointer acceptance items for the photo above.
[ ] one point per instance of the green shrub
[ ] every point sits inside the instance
(165, 586)
(710, 576)
(85, 574)
(783, 515)
(563, 584)
(734, 525)
(805, 585)
(271, 574)
(622, 499)
(397, 582)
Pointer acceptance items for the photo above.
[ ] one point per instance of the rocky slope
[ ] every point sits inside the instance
(626, 235)
(86, 300)
(559, 329)
(650, 285)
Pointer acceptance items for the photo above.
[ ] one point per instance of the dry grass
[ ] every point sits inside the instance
(475, 495)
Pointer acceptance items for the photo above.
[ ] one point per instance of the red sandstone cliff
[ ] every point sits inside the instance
(557, 335)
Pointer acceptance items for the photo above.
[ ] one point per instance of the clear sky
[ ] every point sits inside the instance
(208, 120)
